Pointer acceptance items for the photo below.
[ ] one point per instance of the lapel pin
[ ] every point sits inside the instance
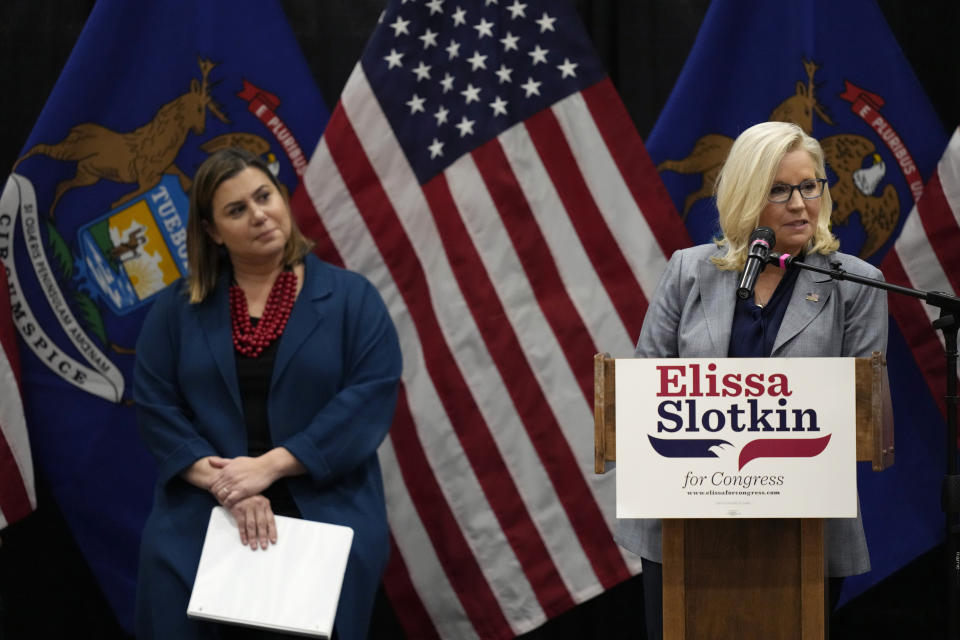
(813, 297)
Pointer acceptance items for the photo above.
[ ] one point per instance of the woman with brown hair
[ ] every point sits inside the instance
(264, 384)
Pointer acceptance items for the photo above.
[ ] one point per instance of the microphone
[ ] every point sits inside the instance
(762, 240)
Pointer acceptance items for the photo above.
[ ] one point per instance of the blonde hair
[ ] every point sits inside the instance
(744, 183)
(205, 258)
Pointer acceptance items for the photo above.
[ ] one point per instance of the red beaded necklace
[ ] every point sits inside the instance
(250, 340)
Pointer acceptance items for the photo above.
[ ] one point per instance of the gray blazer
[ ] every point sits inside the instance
(691, 315)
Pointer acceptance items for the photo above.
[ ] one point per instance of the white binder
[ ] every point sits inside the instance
(292, 586)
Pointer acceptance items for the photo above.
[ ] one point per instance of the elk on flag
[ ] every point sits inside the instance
(482, 172)
(837, 71)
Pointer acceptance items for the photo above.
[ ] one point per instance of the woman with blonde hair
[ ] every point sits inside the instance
(775, 177)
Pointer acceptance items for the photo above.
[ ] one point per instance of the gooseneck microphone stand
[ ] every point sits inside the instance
(948, 322)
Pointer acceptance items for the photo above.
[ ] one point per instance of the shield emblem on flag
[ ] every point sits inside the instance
(134, 251)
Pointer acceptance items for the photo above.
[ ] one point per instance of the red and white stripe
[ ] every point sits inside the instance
(504, 275)
(18, 496)
(926, 256)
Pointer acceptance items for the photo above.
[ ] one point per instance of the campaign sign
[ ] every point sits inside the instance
(736, 437)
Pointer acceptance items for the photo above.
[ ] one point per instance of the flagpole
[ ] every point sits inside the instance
(949, 323)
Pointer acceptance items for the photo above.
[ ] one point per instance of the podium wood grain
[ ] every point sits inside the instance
(746, 578)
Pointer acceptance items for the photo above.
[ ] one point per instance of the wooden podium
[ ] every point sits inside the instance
(749, 578)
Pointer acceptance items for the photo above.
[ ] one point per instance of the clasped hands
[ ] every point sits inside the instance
(236, 479)
(237, 484)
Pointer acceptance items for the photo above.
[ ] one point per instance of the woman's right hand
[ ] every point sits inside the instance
(254, 517)
(201, 473)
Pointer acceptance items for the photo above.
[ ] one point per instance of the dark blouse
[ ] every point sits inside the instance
(253, 377)
(754, 327)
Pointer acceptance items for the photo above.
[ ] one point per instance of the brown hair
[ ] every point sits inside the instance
(205, 258)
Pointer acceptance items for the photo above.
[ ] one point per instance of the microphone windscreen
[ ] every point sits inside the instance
(764, 233)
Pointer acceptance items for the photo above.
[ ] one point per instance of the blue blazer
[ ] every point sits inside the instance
(691, 315)
(331, 402)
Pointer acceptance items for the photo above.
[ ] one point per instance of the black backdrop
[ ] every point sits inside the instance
(46, 590)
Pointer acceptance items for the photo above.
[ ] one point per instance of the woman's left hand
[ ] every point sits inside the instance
(255, 522)
(239, 478)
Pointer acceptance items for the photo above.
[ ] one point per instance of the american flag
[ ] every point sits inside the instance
(926, 256)
(17, 493)
(481, 170)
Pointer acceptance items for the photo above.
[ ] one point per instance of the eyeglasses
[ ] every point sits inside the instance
(809, 189)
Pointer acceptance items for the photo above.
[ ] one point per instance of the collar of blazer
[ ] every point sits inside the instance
(305, 318)
(717, 290)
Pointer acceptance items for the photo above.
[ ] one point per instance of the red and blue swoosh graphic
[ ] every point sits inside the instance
(762, 448)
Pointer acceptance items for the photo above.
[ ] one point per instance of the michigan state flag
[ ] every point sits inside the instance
(93, 227)
(835, 70)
